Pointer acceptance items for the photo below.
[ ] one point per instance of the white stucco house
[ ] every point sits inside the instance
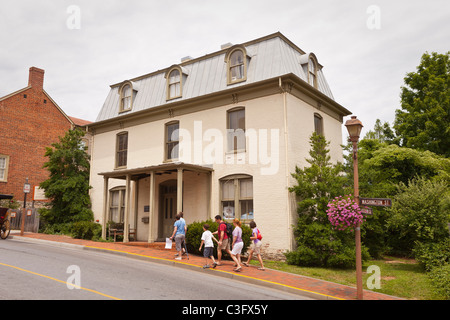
(219, 134)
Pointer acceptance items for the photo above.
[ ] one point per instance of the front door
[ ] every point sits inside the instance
(168, 208)
(169, 211)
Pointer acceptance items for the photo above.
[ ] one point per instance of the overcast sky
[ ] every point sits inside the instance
(366, 47)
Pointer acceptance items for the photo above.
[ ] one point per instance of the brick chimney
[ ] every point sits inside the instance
(36, 78)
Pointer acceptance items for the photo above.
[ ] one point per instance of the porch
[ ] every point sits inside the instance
(159, 193)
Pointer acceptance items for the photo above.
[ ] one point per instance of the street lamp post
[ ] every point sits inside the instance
(354, 127)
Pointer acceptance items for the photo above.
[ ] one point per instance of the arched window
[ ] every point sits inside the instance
(318, 124)
(126, 96)
(310, 66)
(236, 197)
(237, 62)
(127, 92)
(174, 84)
(312, 72)
(175, 77)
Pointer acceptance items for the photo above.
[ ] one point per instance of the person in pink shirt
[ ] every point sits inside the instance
(256, 246)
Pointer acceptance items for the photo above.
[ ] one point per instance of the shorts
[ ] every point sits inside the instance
(256, 247)
(224, 245)
(208, 252)
(179, 239)
(237, 248)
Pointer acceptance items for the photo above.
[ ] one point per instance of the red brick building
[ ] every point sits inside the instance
(30, 121)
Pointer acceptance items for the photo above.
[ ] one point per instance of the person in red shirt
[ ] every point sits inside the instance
(223, 239)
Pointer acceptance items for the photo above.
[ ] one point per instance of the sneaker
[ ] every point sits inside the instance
(178, 258)
(214, 265)
(206, 266)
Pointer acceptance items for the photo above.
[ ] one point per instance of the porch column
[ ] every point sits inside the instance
(209, 195)
(126, 232)
(105, 206)
(151, 211)
(180, 190)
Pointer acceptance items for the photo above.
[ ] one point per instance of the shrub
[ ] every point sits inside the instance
(56, 228)
(194, 235)
(440, 277)
(342, 257)
(87, 230)
(431, 255)
(419, 213)
(303, 256)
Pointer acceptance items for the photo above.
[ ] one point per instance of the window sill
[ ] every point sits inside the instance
(235, 152)
(236, 81)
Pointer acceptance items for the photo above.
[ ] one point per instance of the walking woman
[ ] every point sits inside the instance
(256, 246)
(237, 245)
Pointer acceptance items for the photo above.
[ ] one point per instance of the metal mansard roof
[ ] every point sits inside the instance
(269, 57)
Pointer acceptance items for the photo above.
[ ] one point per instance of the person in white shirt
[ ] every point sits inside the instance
(207, 240)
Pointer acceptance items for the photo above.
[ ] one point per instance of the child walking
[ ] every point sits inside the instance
(207, 239)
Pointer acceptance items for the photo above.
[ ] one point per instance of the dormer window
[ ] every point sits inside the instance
(174, 83)
(127, 95)
(176, 76)
(237, 62)
(310, 67)
(237, 66)
(312, 72)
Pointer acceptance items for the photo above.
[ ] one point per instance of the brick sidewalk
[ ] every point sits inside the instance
(277, 279)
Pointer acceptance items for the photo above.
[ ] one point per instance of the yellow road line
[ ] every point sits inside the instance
(218, 270)
(57, 280)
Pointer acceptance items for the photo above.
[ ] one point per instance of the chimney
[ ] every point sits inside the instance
(226, 45)
(187, 58)
(36, 78)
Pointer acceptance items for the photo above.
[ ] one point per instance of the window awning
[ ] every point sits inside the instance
(165, 168)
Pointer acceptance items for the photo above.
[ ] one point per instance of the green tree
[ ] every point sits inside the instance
(68, 182)
(424, 119)
(382, 133)
(318, 243)
(382, 166)
(420, 213)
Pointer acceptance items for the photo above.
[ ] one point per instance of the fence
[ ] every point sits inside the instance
(31, 219)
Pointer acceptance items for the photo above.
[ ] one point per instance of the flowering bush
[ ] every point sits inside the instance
(343, 213)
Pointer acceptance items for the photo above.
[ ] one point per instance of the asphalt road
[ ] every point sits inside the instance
(31, 271)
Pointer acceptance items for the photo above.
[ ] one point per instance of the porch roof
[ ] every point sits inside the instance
(165, 168)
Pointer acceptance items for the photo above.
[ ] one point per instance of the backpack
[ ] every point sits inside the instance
(229, 230)
(258, 235)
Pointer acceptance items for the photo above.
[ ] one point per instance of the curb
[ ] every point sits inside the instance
(220, 273)
(48, 242)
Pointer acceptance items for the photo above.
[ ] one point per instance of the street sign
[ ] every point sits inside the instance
(26, 188)
(377, 202)
(367, 211)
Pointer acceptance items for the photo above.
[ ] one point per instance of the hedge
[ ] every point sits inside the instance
(195, 231)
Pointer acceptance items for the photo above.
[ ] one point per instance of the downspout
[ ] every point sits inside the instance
(286, 154)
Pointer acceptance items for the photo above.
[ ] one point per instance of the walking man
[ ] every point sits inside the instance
(223, 239)
(179, 232)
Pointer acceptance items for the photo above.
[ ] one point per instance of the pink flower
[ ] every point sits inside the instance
(344, 213)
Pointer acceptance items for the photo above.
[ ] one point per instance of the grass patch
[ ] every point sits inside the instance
(400, 277)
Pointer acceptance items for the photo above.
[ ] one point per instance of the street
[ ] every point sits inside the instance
(30, 271)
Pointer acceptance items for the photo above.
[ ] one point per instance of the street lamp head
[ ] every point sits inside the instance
(354, 127)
